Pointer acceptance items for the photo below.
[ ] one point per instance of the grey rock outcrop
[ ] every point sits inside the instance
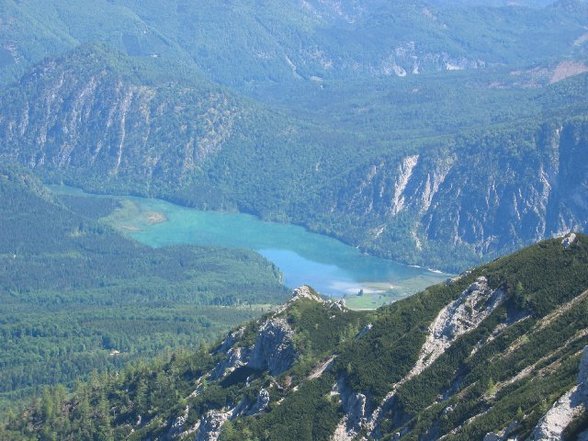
(236, 357)
(568, 240)
(338, 305)
(459, 317)
(263, 400)
(179, 423)
(274, 347)
(230, 340)
(503, 435)
(355, 407)
(211, 425)
(566, 409)
(99, 121)
(305, 292)
(493, 437)
(464, 314)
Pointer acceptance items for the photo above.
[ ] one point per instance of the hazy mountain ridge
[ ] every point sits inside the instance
(399, 127)
(314, 40)
(489, 351)
(290, 40)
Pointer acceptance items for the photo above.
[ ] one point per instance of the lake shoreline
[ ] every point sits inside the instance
(79, 191)
(304, 257)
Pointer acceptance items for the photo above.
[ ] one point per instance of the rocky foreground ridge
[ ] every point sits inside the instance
(497, 353)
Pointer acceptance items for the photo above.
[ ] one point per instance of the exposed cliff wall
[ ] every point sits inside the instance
(483, 196)
(274, 347)
(459, 317)
(94, 121)
(489, 324)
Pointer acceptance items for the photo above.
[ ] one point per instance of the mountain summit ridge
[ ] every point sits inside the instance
(513, 336)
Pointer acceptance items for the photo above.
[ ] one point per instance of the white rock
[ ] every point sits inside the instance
(338, 304)
(565, 410)
(263, 400)
(236, 357)
(568, 240)
(461, 316)
(180, 421)
(305, 292)
(367, 328)
(211, 425)
(464, 314)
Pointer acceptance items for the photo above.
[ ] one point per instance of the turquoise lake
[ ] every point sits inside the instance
(328, 265)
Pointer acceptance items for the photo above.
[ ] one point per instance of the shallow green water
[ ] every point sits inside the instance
(325, 263)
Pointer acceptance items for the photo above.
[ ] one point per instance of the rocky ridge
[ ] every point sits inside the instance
(463, 315)
(273, 351)
(566, 409)
(481, 300)
(453, 196)
(497, 353)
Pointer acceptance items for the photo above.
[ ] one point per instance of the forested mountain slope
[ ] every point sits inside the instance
(441, 133)
(397, 187)
(495, 352)
(371, 121)
(75, 296)
(245, 43)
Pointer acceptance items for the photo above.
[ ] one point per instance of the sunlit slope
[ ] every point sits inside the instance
(500, 349)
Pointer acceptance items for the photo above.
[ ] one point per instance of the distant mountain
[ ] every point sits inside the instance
(322, 119)
(400, 181)
(494, 3)
(438, 133)
(290, 40)
(496, 353)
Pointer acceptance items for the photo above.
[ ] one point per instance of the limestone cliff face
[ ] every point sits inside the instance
(98, 122)
(235, 358)
(211, 425)
(263, 400)
(273, 351)
(483, 198)
(459, 317)
(463, 315)
(354, 405)
(274, 347)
